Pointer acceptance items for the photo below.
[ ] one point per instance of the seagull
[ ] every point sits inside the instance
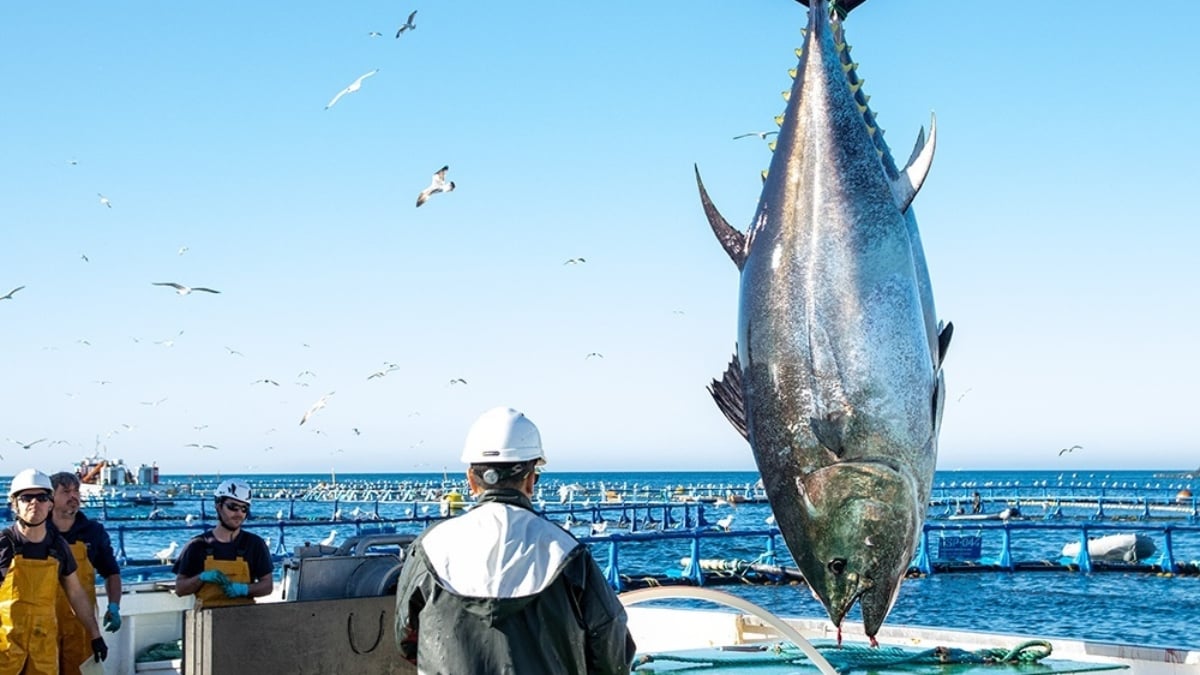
(265, 381)
(328, 541)
(181, 289)
(591, 354)
(761, 134)
(202, 447)
(315, 407)
(457, 380)
(374, 34)
(104, 200)
(726, 522)
(26, 445)
(164, 556)
(8, 296)
(575, 261)
(408, 25)
(354, 86)
(306, 372)
(438, 184)
(83, 257)
(1070, 449)
(233, 352)
(154, 403)
(182, 250)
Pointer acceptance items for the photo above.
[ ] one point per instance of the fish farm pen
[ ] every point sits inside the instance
(698, 534)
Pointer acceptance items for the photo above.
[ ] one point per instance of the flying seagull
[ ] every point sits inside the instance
(202, 447)
(591, 354)
(1070, 449)
(8, 296)
(374, 34)
(105, 201)
(438, 184)
(761, 134)
(265, 381)
(457, 380)
(183, 290)
(315, 407)
(354, 86)
(26, 445)
(408, 25)
(575, 261)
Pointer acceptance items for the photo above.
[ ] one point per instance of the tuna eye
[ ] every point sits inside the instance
(837, 565)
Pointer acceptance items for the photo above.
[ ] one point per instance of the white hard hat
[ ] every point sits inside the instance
(503, 435)
(29, 479)
(234, 488)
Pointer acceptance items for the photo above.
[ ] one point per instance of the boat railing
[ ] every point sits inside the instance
(1165, 561)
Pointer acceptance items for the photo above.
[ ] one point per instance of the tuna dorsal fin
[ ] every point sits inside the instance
(829, 431)
(944, 336)
(731, 239)
(908, 183)
(727, 392)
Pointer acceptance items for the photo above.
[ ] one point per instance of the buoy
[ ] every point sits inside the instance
(1184, 496)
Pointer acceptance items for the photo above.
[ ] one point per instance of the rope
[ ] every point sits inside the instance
(848, 658)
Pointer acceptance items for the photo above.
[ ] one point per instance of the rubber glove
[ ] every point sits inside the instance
(214, 577)
(234, 589)
(99, 649)
(112, 618)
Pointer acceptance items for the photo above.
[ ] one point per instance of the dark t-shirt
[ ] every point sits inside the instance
(51, 546)
(245, 545)
(96, 539)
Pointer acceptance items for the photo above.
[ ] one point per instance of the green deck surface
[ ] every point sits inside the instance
(855, 658)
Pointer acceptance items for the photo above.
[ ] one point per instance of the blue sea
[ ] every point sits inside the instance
(1130, 606)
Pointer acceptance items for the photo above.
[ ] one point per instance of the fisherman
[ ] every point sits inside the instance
(35, 562)
(500, 589)
(226, 565)
(976, 503)
(93, 552)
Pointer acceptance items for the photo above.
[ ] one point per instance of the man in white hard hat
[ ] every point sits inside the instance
(501, 589)
(226, 565)
(35, 562)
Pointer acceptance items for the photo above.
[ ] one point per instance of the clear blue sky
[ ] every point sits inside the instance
(1059, 223)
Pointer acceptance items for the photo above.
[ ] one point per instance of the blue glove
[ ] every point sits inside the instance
(214, 577)
(234, 589)
(112, 618)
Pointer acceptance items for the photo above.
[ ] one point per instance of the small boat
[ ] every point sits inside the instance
(1123, 547)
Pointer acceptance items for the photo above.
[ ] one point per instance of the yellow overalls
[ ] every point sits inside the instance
(28, 628)
(74, 644)
(212, 595)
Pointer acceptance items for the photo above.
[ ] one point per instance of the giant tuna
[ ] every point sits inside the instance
(837, 382)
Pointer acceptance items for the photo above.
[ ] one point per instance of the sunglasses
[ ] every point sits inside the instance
(29, 499)
(240, 508)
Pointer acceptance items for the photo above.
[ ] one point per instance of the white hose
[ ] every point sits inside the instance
(722, 598)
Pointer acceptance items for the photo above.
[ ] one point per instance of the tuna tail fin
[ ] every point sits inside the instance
(842, 7)
(944, 335)
(909, 182)
(727, 392)
(733, 241)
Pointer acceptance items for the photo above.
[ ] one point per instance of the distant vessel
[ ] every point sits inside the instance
(1128, 548)
(100, 477)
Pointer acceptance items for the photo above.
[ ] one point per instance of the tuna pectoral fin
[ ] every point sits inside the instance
(727, 392)
(909, 182)
(732, 240)
(944, 336)
(830, 430)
